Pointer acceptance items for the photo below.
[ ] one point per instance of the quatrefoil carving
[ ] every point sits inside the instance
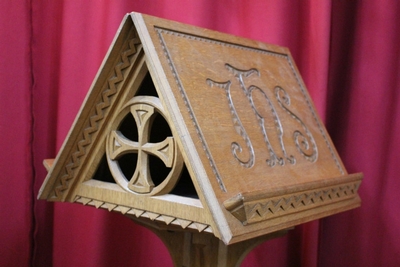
(144, 109)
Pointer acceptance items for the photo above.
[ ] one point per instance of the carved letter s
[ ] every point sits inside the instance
(305, 144)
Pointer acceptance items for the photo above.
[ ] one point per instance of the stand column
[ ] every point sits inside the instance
(194, 249)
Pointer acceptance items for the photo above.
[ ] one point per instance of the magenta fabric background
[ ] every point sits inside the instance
(348, 53)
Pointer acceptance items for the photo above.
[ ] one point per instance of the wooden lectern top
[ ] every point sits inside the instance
(197, 129)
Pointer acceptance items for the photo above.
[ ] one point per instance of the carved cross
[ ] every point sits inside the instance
(141, 181)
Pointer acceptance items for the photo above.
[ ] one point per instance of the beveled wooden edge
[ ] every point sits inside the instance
(48, 163)
(191, 156)
(60, 177)
(295, 219)
(252, 207)
(333, 181)
(211, 34)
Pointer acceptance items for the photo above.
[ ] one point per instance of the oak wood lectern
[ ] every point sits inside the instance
(209, 136)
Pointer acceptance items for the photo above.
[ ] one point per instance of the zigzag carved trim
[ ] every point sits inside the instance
(97, 116)
(168, 220)
(264, 209)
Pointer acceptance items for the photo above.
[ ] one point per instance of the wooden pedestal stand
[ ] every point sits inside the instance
(194, 249)
(210, 137)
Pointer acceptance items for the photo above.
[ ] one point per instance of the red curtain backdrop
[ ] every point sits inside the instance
(347, 52)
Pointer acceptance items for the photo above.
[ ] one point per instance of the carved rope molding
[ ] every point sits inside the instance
(264, 209)
(168, 220)
(97, 114)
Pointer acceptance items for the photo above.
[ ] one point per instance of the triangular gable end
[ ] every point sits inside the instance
(124, 92)
(234, 121)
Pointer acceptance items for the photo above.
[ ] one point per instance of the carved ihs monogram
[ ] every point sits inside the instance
(278, 156)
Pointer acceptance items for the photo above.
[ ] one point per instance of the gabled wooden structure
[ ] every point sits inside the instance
(190, 129)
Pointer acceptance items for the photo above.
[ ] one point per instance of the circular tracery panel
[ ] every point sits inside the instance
(133, 146)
